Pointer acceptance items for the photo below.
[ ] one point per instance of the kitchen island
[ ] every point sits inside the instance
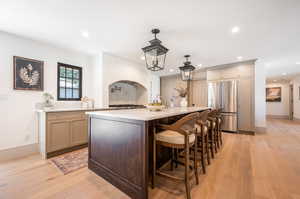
(120, 143)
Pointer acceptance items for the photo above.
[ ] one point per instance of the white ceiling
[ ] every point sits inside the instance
(269, 29)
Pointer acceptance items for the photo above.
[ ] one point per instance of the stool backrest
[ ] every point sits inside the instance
(213, 113)
(203, 116)
(185, 125)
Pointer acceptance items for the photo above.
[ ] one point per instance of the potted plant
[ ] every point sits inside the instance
(48, 100)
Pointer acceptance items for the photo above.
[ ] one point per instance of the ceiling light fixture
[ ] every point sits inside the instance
(298, 63)
(187, 69)
(155, 53)
(235, 30)
(199, 65)
(274, 80)
(283, 73)
(239, 58)
(85, 34)
(171, 70)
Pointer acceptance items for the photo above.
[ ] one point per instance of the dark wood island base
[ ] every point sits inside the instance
(119, 147)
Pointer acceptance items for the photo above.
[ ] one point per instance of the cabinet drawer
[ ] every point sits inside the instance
(77, 115)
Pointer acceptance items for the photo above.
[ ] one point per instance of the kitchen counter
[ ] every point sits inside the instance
(145, 114)
(54, 109)
(120, 145)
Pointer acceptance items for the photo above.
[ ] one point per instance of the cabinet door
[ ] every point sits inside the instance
(79, 132)
(58, 135)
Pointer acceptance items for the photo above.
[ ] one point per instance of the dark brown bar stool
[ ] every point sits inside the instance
(202, 138)
(179, 136)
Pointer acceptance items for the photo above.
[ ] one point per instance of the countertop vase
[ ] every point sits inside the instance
(183, 102)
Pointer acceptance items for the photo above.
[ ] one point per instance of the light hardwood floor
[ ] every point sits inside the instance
(265, 166)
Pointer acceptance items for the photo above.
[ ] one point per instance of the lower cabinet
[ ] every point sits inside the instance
(66, 130)
(78, 132)
(58, 135)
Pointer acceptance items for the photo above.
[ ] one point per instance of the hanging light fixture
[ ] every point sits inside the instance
(155, 53)
(187, 69)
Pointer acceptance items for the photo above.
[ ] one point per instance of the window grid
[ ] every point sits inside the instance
(70, 75)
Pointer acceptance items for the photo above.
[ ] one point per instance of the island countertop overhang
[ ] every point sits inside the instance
(145, 114)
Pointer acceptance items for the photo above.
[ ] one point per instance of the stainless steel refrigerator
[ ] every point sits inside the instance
(223, 94)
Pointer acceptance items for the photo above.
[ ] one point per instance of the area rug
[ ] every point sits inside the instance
(72, 161)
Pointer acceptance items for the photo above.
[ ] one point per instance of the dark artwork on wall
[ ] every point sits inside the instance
(273, 94)
(28, 74)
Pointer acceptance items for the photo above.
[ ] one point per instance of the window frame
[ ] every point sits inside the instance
(58, 81)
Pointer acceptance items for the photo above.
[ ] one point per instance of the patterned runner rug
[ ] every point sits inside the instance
(72, 161)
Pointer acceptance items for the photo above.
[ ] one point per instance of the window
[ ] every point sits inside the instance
(69, 85)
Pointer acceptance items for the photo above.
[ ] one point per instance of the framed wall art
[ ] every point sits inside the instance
(28, 74)
(273, 94)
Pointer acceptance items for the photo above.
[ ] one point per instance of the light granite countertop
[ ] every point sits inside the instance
(145, 114)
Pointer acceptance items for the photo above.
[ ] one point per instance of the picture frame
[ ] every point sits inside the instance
(28, 74)
(273, 94)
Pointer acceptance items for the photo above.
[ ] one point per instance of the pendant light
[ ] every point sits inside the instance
(187, 69)
(155, 53)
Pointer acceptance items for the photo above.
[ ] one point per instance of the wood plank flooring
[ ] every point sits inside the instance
(265, 166)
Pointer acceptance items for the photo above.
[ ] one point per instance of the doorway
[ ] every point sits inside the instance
(291, 102)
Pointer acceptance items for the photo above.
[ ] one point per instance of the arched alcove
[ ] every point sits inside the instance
(127, 92)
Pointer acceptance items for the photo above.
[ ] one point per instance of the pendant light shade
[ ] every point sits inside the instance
(187, 69)
(155, 53)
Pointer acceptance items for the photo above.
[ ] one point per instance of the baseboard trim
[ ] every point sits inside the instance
(67, 150)
(18, 152)
(277, 117)
(260, 129)
(296, 119)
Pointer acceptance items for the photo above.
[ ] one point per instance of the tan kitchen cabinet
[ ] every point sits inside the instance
(65, 131)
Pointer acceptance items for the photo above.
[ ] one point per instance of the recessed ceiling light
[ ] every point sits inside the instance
(235, 29)
(199, 65)
(283, 73)
(171, 70)
(239, 57)
(85, 34)
(298, 63)
(142, 57)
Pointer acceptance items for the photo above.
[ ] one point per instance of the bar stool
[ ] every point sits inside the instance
(219, 130)
(212, 134)
(180, 136)
(202, 138)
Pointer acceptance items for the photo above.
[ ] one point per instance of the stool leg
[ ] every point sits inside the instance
(216, 140)
(221, 140)
(207, 149)
(212, 144)
(154, 159)
(202, 155)
(187, 165)
(176, 158)
(172, 160)
(195, 161)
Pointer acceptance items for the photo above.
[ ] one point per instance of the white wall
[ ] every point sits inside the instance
(296, 85)
(279, 108)
(260, 95)
(18, 118)
(116, 69)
